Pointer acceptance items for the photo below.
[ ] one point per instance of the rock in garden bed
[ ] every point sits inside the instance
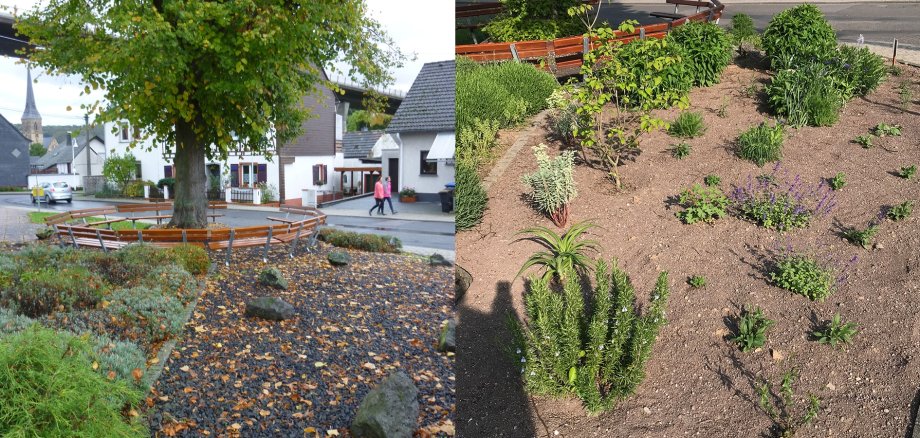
(270, 308)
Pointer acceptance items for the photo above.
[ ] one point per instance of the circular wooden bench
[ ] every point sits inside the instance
(91, 234)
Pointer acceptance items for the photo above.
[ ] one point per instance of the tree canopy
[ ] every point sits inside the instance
(203, 78)
(37, 150)
(361, 119)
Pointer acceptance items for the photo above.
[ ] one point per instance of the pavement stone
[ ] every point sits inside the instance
(15, 226)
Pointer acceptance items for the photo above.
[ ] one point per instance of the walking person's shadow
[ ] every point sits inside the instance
(491, 401)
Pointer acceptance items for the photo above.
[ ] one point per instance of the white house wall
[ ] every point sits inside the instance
(427, 186)
(299, 175)
(97, 158)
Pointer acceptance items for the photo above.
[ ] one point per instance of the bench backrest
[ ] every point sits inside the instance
(59, 218)
(140, 208)
(305, 211)
(89, 232)
(89, 212)
(217, 205)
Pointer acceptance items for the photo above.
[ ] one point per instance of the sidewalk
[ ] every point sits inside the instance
(15, 226)
(415, 211)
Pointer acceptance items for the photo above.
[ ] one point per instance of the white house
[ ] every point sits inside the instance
(424, 127)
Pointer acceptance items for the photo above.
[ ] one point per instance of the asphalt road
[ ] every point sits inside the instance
(879, 23)
(425, 234)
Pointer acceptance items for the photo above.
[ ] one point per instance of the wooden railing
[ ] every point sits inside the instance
(563, 56)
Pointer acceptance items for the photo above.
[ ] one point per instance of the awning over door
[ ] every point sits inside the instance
(443, 147)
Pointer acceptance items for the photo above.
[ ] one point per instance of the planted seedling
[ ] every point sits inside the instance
(907, 172)
(835, 332)
(752, 329)
(865, 140)
(782, 407)
(712, 180)
(681, 151)
(859, 237)
(838, 181)
(697, 281)
(883, 129)
(901, 211)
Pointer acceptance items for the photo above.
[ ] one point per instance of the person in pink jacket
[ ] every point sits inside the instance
(378, 199)
(388, 194)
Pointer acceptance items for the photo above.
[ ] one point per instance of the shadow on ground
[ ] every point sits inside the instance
(491, 401)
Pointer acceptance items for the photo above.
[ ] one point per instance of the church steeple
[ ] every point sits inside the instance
(31, 119)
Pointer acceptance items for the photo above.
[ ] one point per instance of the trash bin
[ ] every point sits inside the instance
(447, 200)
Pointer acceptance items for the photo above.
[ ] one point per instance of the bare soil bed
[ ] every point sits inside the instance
(698, 383)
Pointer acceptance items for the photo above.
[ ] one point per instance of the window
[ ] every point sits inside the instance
(167, 171)
(320, 176)
(137, 170)
(427, 167)
(125, 133)
(252, 173)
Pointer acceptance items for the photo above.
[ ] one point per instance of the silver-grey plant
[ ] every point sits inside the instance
(552, 186)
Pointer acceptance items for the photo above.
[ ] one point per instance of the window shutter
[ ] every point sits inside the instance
(316, 175)
(167, 170)
(323, 176)
(234, 175)
(262, 173)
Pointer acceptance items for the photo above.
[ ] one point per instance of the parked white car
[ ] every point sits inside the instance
(57, 191)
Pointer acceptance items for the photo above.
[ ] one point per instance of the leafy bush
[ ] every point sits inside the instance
(782, 205)
(523, 20)
(805, 96)
(838, 181)
(907, 172)
(563, 252)
(360, 241)
(552, 186)
(797, 36)
(167, 182)
(658, 74)
(802, 274)
(708, 50)
(687, 125)
(140, 258)
(120, 169)
(702, 204)
(761, 144)
(505, 93)
(901, 211)
(48, 389)
(41, 291)
(135, 189)
(712, 180)
(193, 259)
(598, 357)
(752, 329)
(835, 332)
(681, 150)
(697, 281)
(742, 29)
(471, 198)
(159, 315)
(859, 237)
(562, 119)
(524, 81)
(883, 129)
(858, 69)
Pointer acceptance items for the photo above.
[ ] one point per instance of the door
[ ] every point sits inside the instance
(393, 168)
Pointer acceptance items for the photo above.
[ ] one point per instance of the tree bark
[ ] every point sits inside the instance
(190, 207)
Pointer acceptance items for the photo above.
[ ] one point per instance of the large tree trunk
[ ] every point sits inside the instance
(190, 208)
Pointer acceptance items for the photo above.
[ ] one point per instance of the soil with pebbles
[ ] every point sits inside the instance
(354, 325)
(698, 383)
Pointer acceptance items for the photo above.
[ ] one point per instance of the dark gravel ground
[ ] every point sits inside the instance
(231, 375)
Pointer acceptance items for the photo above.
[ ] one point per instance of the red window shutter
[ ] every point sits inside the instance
(262, 173)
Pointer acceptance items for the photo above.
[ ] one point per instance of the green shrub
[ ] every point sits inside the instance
(687, 125)
(835, 332)
(712, 180)
(859, 70)
(552, 186)
(802, 274)
(859, 237)
(360, 241)
(761, 144)
(708, 50)
(782, 204)
(140, 258)
(883, 129)
(681, 150)
(160, 316)
(702, 204)
(838, 181)
(471, 198)
(505, 93)
(562, 119)
(805, 96)
(664, 86)
(697, 281)
(742, 29)
(524, 81)
(563, 252)
(43, 256)
(48, 389)
(752, 329)
(901, 211)
(174, 281)
(907, 172)
(45, 290)
(122, 358)
(193, 258)
(477, 141)
(523, 20)
(599, 357)
(797, 36)
(135, 189)
(167, 182)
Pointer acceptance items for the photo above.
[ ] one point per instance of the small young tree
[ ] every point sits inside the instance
(552, 186)
(120, 169)
(37, 150)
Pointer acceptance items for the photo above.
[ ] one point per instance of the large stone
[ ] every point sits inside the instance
(44, 233)
(388, 411)
(462, 282)
(273, 277)
(448, 339)
(439, 260)
(339, 258)
(271, 308)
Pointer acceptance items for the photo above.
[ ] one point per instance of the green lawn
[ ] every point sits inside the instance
(39, 218)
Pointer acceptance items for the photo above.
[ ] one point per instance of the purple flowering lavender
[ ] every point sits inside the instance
(774, 201)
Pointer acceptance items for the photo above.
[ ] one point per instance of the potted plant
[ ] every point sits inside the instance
(407, 194)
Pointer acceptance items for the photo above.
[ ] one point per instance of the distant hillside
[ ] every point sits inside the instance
(60, 131)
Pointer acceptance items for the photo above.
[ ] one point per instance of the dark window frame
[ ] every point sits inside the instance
(426, 167)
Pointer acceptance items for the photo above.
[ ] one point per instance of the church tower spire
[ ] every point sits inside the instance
(31, 119)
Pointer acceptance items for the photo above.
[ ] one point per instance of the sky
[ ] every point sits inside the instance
(424, 28)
